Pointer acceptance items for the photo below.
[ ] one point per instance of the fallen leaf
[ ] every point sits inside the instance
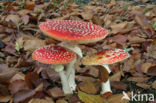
(118, 85)
(7, 74)
(61, 101)
(15, 19)
(117, 98)
(143, 85)
(103, 74)
(87, 87)
(18, 76)
(17, 85)
(43, 100)
(154, 84)
(87, 98)
(74, 99)
(152, 71)
(5, 99)
(120, 39)
(23, 95)
(138, 79)
(145, 67)
(56, 92)
(118, 27)
(116, 76)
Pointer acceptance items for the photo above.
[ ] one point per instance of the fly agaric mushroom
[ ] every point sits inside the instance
(73, 33)
(57, 56)
(104, 58)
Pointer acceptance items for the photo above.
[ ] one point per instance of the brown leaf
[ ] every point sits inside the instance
(7, 74)
(119, 85)
(61, 101)
(17, 85)
(86, 98)
(74, 99)
(118, 27)
(103, 74)
(143, 85)
(14, 18)
(5, 99)
(116, 76)
(56, 92)
(87, 87)
(23, 95)
(152, 71)
(138, 79)
(117, 98)
(18, 76)
(44, 100)
(4, 90)
(154, 84)
(145, 67)
(120, 39)
(32, 79)
(26, 19)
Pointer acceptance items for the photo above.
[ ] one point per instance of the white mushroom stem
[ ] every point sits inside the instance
(74, 47)
(107, 68)
(71, 75)
(105, 87)
(65, 86)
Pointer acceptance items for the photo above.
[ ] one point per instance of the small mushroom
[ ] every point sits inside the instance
(104, 58)
(56, 55)
(73, 33)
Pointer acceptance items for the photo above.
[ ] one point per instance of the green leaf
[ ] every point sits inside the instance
(154, 25)
(17, 46)
(87, 98)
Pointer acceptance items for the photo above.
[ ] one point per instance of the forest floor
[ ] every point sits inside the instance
(131, 24)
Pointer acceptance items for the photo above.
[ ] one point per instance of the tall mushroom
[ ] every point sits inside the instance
(104, 58)
(56, 55)
(73, 33)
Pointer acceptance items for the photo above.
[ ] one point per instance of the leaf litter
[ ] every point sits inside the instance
(24, 80)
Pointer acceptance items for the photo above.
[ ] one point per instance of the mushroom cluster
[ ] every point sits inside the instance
(71, 34)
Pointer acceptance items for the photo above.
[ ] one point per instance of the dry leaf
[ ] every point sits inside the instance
(138, 79)
(43, 100)
(61, 101)
(118, 27)
(143, 85)
(56, 92)
(7, 74)
(23, 95)
(145, 67)
(5, 99)
(87, 87)
(14, 18)
(117, 98)
(103, 74)
(116, 76)
(154, 84)
(152, 71)
(86, 98)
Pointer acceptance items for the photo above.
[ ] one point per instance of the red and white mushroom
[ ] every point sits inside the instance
(104, 58)
(57, 56)
(73, 33)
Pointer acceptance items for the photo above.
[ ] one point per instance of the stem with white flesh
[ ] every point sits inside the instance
(75, 48)
(71, 75)
(107, 68)
(65, 86)
(105, 87)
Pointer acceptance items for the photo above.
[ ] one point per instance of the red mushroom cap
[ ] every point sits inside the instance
(107, 56)
(53, 55)
(73, 31)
